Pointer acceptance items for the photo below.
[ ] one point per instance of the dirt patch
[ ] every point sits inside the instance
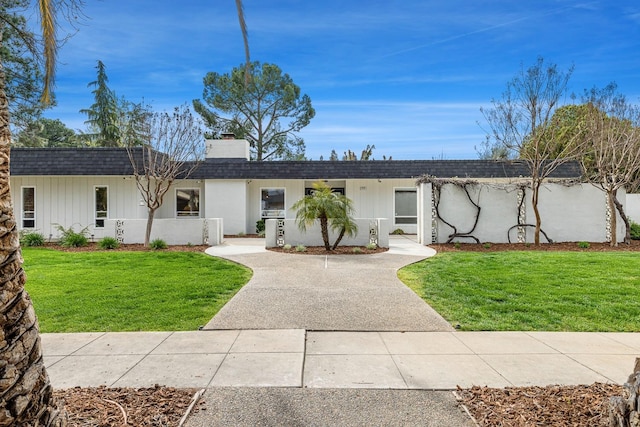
(101, 406)
(340, 250)
(575, 406)
(634, 246)
(128, 247)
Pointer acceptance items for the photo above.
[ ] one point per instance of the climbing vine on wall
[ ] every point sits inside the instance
(466, 186)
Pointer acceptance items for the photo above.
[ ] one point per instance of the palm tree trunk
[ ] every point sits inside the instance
(339, 239)
(25, 391)
(324, 229)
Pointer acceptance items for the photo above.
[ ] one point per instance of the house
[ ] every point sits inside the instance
(228, 194)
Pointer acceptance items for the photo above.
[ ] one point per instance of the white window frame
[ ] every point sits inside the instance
(274, 213)
(395, 214)
(23, 212)
(189, 213)
(96, 213)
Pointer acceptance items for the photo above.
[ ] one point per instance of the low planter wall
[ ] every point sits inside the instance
(183, 231)
(280, 232)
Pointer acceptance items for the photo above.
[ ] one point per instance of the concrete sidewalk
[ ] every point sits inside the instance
(335, 360)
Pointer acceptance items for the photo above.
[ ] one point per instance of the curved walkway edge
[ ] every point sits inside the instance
(326, 292)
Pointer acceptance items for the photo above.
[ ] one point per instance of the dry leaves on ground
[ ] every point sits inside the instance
(575, 406)
(146, 407)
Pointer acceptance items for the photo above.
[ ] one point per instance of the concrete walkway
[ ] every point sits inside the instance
(326, 293)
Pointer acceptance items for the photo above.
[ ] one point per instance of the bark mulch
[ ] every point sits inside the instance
(575, 406)
(103, 407)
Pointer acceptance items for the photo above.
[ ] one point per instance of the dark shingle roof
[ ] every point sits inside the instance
(114, 161)
(70, 161)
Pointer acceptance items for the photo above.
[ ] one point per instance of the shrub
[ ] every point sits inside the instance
(357, 250)
(287, 247)
(486, 245)
(260, 226)
(372, 246)
(158, 244)
(398, 231)
(635, 231)
(108, 243)
(32, 238)
(456, 245)
(301, 248)
(583, 245)
(73, 239)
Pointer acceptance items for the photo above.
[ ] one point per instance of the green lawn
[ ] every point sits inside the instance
(128, 291)
(553, 291)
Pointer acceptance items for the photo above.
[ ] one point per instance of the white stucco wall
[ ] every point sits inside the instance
(632, 207)
(575, 213)
(227, 200)
(568, 213)
(177, 231)
(313, 237)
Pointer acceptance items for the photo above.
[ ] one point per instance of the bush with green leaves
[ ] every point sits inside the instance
(158, 244)
(73, 239)
(32, 238)
(398, 231)
(301, 248)
(357, 250)
(260, 227)
(635, 231)
(287, 247)
(109, 243)
(584, 245)
(372, 246)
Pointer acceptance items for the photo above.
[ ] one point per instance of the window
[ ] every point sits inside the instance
(28, 207)
(188, 202)
(101, 205)
(406, 206)
(309, 190)
(272, 203)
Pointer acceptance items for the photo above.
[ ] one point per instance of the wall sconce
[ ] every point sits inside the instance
(379, 180)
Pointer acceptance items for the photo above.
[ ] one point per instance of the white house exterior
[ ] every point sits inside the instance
(228, 194)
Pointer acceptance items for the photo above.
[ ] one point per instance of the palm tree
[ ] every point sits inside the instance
(25, 390)
(333, 210)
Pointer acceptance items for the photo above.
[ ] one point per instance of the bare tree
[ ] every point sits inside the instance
(521, 123)
(612, 157)
(173, 151)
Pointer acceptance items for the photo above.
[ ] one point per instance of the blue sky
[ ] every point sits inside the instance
(408, 76)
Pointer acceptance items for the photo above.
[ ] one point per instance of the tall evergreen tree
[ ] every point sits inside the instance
(103, 115)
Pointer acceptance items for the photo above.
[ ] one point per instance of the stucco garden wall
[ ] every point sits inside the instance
(182, 231)
(632, 207)
(569, 213)
(313, 237)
